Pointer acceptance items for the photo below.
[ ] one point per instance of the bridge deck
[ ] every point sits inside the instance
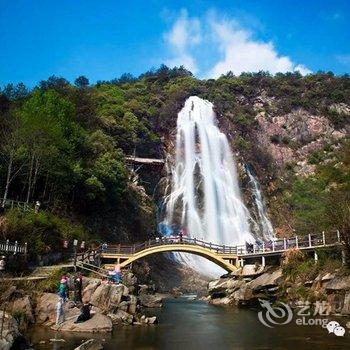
(256, 249)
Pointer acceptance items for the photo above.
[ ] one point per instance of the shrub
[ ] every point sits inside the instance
(42, 231)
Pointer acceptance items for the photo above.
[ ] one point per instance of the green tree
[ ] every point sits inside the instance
(49, 130)
(81, 82)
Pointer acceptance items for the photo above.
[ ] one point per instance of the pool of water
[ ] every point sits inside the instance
(192, 324)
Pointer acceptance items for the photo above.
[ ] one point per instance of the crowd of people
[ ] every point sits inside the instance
(63, 292)
(67, 283)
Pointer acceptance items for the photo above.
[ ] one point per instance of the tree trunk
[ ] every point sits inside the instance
(36, 171)
(45, 186)
(30, 179)
(8, 180)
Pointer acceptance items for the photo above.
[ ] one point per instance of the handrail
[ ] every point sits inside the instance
(11, 203)
(257, 247)
(8, 247)
(92, 268)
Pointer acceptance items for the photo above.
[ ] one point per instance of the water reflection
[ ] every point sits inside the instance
(188, 324)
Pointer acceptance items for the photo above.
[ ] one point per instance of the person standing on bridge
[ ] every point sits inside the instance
(182, 233)
(104, 247)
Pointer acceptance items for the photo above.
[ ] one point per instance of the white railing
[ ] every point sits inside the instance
(298, 242)
(259, 247)
(10, 203)
(9, 247)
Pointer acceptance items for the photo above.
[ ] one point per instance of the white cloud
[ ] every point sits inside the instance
(241, 53)
(184, 34)
(238, 51)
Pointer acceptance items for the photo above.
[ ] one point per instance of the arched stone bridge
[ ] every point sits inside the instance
(227, 257)
(223, 256)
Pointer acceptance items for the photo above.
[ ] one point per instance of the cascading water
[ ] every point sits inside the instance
(265, 226)
(205, 196)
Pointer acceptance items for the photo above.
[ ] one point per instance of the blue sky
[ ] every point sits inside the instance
(103, 39)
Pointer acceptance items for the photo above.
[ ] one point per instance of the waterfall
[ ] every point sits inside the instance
(265, 226)
(205, 197)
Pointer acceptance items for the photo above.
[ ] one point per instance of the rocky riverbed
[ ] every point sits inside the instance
(245, 287)
(112, 305)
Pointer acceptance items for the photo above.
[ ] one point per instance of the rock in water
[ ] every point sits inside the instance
(108, 296)
(152, 320)
(91, 344)
(266, 280)
(98, 323)
(11, 337)
(121, 317)
(150, 300)
(24, 305)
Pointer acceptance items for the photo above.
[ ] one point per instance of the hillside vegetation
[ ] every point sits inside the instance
(64, 145)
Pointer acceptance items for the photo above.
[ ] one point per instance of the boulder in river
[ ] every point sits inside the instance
(121, 317)
(91, 344)
(24, 306)
(11, 338)
(107, 296)
(46, 309)
(151, 300)
(266, 280)
(98, 323)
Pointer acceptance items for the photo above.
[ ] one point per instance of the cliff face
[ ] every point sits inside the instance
(283, 148)
(293, 137)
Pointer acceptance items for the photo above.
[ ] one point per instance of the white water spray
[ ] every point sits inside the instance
(205, 196)
(265, 226)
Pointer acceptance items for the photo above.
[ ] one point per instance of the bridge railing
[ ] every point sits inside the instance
(10, 203)
(13, 247)
(299, 242)
(90, 255)
(134, 248)
(258, 247)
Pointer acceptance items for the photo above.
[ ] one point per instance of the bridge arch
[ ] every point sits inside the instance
(226, 262)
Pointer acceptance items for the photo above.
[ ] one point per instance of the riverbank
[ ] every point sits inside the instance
(112, 305)
(300, 282)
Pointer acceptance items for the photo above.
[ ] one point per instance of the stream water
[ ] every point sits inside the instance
(191, 324)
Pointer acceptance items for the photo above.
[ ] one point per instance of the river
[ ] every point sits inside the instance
(192, 324)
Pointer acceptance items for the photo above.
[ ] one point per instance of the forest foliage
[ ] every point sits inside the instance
(64, 144)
